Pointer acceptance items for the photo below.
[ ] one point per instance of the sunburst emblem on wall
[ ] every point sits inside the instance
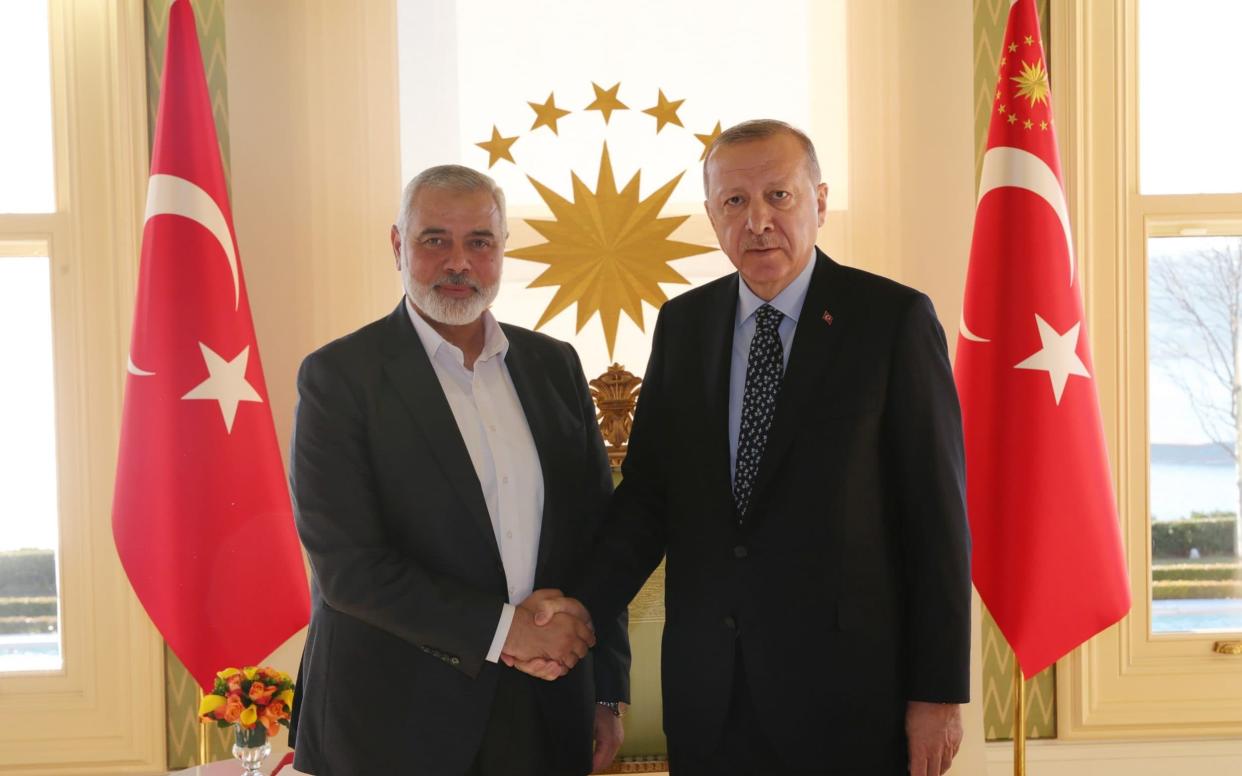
(607, 250)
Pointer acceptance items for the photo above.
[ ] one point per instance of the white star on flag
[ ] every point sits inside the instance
(1058, 356)
(226, 383)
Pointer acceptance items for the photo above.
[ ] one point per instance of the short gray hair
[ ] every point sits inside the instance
(453, 177)
(762, 129)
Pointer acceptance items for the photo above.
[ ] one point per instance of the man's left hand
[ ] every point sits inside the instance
(609, 733)
(934, 733)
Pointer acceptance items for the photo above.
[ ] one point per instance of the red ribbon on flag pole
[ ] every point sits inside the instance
(1047, 553)
(201, 513)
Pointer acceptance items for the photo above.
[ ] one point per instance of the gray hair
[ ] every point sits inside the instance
(453, 177)
(762, 129)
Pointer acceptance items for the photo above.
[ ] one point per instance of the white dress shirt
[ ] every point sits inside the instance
(493, 425)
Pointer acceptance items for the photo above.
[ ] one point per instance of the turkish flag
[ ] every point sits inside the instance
(201, 513)
(1047, 559)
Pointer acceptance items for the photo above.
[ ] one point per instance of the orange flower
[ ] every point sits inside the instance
(261, 693)
(234, 682)
(271, 716)
(233, 708)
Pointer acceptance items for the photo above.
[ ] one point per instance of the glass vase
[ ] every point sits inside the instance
(251, 747)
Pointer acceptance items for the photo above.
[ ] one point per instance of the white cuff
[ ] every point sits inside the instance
(502, 633)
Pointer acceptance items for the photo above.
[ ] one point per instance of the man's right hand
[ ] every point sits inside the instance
(563, 640)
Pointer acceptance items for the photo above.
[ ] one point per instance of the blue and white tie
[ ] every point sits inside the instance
(765, 368)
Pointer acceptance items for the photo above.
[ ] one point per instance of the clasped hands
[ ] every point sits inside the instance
(549, 635)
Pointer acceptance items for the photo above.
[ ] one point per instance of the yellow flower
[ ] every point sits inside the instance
(248, 716)
(226, 673)
(209, 704)
(287, 697)
(250, 672)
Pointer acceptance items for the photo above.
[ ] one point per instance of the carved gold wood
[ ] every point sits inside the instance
(1227, 647)
(615, 393)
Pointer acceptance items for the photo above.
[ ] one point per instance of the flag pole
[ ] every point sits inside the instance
(202, 732)
(1019, 720)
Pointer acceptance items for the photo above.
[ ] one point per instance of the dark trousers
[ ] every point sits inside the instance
(743, 749)
(516, 742)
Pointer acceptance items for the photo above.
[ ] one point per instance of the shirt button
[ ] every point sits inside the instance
(505, 480)
(508, 534)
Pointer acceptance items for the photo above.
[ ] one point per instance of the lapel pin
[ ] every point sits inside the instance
(827, 317)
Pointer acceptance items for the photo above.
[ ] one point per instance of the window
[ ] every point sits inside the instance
(84, 696)
(1157, 205)
(29, 624)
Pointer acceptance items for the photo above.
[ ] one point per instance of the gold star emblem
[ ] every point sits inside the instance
(707, 140)
(498, 147)
(1043, 125)
(1013, 118)
(1027, 124)
(606, 100)
(665, 112)
(547, 114)
(1002, 109)
(608, 251)
(1033, 82)
(1013, 47)
(1029, 40)
(1004, 61)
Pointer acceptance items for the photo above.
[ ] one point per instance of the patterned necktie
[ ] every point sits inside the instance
(765, 366)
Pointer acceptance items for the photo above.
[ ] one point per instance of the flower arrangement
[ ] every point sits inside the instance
(253, 697)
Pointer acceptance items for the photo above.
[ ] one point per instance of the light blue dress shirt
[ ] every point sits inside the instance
(788, 301)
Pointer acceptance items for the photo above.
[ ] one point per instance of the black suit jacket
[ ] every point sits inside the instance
(847, 590)
(407, 580)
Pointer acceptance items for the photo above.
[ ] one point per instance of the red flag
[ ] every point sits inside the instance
(1048, 561)
(201, 513)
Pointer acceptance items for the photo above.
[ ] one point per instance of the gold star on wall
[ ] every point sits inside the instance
(498, 147)
(1013, 118)
(1013, 47)
(547, 114)
(607, 251)
(606, 100)
(707, 140)
(1027, 124)
(665, 112)
(1029, 40)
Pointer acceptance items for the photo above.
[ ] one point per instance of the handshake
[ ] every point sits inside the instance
(549, 635)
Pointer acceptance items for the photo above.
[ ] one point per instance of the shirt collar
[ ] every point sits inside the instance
(788, 301)
(495, 343)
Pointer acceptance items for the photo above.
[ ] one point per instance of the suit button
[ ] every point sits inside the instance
(730, 623)
(740, 551)
(455, 660)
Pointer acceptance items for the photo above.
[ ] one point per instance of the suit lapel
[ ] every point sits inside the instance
(537, 395)
(814, 347)
(416, 383)
(716, 372)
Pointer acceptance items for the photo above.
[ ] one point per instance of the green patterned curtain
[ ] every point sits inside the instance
(181, 694)
(1041, 716)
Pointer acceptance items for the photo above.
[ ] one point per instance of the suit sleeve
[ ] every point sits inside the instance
(612, 639)
(338, 518)
(924, 437)
(634, 536)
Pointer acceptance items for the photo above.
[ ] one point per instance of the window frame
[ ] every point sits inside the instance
(1127, 682)
(103, 712)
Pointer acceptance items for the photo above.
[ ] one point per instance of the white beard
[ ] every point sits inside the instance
(449, 311)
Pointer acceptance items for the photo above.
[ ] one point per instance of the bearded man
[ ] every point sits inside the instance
(443, 467)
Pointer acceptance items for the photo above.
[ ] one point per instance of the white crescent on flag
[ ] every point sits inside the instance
(171, 195)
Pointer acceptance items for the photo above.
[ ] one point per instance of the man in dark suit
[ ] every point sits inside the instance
(443, 467)
(797, 458)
